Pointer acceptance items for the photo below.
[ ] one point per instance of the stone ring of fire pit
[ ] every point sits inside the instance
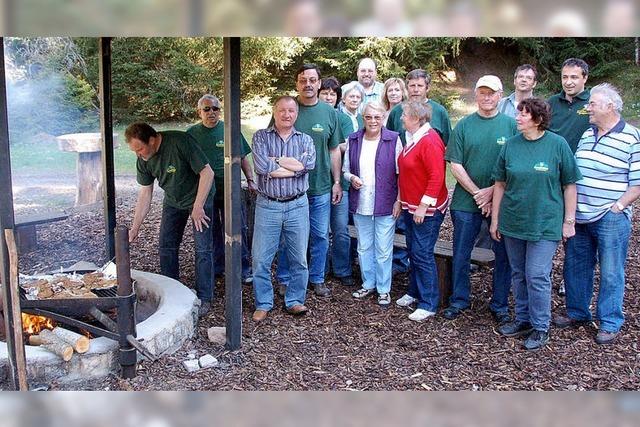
(163, 332)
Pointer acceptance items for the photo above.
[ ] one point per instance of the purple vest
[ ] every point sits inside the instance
(386, 191)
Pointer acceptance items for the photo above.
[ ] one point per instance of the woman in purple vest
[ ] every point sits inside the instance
(371, 165)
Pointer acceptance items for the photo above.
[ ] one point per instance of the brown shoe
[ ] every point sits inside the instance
(259, 315)
(297, 309)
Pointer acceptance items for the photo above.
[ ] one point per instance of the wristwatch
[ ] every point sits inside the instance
(277, 160)
(570, 221)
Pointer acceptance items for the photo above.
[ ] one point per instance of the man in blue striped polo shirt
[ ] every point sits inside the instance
(282, 158)
(608, 156)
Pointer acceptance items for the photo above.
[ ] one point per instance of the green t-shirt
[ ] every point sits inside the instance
(211, 141)
(439, 121)
(346, 127)
(569, 120)
(532, 207)
(320, 121)
(176, 166)
(475, 143)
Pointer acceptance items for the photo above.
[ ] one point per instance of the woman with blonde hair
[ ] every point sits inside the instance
(393, 93)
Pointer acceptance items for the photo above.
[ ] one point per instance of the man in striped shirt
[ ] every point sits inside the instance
(608, 156)
(282, 158)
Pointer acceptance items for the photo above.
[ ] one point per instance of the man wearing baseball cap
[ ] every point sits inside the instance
(473, 149)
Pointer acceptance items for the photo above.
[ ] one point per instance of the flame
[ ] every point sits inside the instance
(34, 324)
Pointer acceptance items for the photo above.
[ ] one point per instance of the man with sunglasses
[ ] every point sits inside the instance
(209, 134)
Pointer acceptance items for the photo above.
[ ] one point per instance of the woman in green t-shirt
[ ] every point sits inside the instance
(534, 204)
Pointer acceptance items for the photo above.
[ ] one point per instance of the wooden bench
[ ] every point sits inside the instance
(25, 226)
(444, 261)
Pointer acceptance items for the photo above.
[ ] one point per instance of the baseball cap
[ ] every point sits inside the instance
(490, 81)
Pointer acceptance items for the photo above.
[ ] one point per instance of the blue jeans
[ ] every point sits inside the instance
(605, 240)
(375, 250)
(531, 266)
(171, 230)
(319, 214)
(273, 220)
(217, 228)
(400, 255)
(339, 254)
(423, 274)
(466, 226)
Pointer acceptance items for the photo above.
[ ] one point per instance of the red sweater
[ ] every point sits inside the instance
(422, 173)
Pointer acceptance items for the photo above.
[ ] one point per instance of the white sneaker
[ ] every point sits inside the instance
(406, 301)
(419, 315)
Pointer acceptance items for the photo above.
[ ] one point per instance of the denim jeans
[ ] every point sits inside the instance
(375, 250)
(531, 272)
(423, 274)
(605, 240)
(273, 220)
(400, 255)
(466, 226)
(339, 254)
(217, 228)
(319, 214)
(171, 230)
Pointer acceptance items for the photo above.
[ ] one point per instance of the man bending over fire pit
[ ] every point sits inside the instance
(181, 168)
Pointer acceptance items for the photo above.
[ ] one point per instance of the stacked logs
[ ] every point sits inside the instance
(61, 342)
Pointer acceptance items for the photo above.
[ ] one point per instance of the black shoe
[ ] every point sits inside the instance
(321, 290)
(346, 280)
(536, 340)
(515, 329)
(501, 318)
(605, 337)
(562, 321)
(451, 313)
(205, 306)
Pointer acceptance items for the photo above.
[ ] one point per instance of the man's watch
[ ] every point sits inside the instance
(570, 221)
(277, 160)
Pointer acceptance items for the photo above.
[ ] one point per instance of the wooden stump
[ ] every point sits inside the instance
(89, 170)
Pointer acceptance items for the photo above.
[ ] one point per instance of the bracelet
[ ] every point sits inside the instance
(570, 221)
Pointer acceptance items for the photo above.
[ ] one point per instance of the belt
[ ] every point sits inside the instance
(285, 199)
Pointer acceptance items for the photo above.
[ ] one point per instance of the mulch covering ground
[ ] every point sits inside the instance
(349, 344)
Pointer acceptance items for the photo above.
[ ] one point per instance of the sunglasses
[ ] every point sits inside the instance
(207, 109)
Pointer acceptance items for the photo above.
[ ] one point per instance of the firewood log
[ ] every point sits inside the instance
(54, 344)
(80, 343)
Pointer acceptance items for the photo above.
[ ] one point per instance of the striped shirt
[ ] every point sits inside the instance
(267, 145)
(609, 165)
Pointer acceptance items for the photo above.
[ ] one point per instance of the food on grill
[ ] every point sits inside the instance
(67, 286)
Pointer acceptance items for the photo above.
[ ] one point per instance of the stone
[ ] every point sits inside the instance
(191, 365)
(217, 335)
(208, 361)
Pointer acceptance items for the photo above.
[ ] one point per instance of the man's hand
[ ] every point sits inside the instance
(483, 196)
(397, 209)
(336, 193)
(493, 230)
(419, 214)
(486, 210)
(568, 231)
(252, 186)
(133, 235)
(356, 182)
(200, 219)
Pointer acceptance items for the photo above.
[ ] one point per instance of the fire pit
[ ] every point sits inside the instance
(172, 315)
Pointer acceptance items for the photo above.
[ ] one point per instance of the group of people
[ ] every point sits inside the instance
(530, 173)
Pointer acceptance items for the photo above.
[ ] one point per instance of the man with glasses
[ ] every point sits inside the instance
(475, 145)
(320, 121)
(525, 79)
(367, 74)
(209, 134)
(175, 160)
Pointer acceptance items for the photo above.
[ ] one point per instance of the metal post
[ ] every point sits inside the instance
(126, 304)
(7, 222)
(232, 193)
(106, 127)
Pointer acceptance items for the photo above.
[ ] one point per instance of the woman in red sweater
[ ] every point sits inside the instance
(424, 198)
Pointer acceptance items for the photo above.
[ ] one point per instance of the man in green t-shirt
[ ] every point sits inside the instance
(209, 134)
(320, 121)
(181, 168)
(475, 145)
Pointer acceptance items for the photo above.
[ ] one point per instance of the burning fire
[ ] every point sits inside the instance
(34, 324)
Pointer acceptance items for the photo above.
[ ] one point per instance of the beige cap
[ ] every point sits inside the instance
(490, 81)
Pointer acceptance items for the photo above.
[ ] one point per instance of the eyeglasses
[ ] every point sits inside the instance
(372, 118)
(310, 81)
(207, 109)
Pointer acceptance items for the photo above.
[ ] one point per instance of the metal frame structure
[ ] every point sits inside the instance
(232, 189)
